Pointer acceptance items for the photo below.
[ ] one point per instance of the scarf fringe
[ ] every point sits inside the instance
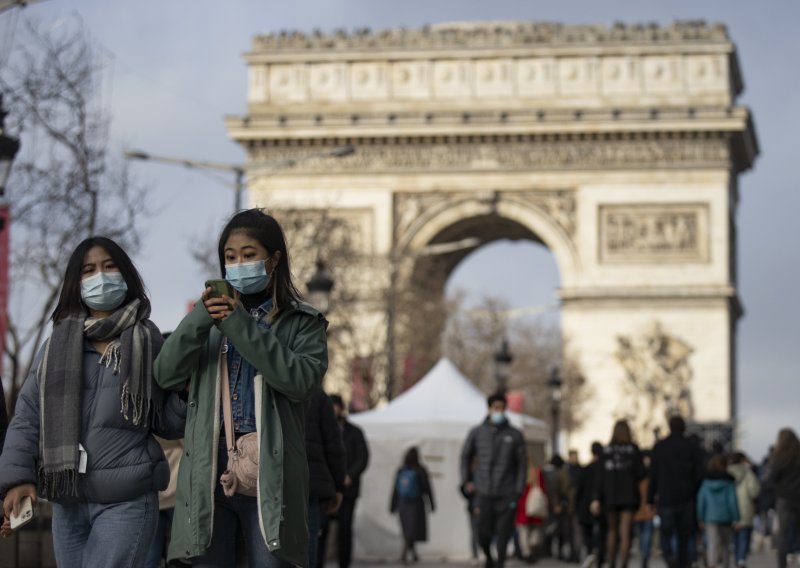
(58, 484)
(139, 410)
(110, 357)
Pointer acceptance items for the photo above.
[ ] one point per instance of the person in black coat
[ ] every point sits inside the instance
(618, 489)
(327, 466)
(593, 526)
(411, 487)
(784, 479)
(357, 454)
(676, 470)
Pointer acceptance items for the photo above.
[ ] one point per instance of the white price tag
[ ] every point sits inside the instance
(82, 459)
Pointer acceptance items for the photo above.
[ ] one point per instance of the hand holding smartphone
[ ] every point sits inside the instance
(219, 287)
(25, 514)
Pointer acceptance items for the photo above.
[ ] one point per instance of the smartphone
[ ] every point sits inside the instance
(25, 514)
(219, 287)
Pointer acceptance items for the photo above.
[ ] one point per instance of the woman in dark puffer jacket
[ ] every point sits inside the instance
(81, 436)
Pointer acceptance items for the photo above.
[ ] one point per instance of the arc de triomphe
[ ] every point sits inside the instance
(617, 148)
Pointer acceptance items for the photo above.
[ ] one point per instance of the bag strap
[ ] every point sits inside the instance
(227, 414)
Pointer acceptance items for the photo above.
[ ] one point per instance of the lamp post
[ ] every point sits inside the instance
(554, 384)
(319, 287)
(239, 170)
(502, 365)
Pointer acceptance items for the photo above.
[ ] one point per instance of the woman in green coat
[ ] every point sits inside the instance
(276, 354)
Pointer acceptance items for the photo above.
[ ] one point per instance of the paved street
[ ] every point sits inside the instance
(757, 560)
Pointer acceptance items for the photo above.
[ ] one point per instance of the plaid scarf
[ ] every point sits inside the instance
(135, 342)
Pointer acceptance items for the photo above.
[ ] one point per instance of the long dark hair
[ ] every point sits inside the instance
(69, 301)
(621, 433)
(412, 458)
(266, 230)
(786, 452)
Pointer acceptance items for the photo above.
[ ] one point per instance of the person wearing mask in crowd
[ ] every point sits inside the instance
(717, 511)
(784, 479)
(270, 348)
(499, 477)
(357, 454)
(675, 473)
(643, 519)
(327, 466)
(412, 495)
(618, 491)
(532, 511)
(562, 505)
(747, 489)
(594, 529)
(82, 432)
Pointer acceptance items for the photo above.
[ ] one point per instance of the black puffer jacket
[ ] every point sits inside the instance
(123, 461)
(501, 460)
(324, 448)
(676, 470)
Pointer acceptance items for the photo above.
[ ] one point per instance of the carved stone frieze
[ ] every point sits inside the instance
(417, 208)
(525, 155)
(492, 34)
(657, 233)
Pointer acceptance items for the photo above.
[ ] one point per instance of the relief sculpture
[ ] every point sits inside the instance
(658, 233)
(658, 380)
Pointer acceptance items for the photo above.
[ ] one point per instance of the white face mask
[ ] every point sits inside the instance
(497, 417)
(104, 291)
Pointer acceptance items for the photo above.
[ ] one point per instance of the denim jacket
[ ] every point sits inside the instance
(240, 378)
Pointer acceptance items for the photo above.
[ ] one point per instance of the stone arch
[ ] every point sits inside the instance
(543, 228)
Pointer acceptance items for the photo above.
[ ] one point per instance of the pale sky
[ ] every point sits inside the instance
(176, 69)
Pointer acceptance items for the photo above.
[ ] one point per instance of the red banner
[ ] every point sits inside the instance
(5, 225)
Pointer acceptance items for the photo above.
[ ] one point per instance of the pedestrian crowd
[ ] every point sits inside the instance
(705, 508)
(216, 445)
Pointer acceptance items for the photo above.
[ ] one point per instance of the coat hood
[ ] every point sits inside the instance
(719, 484)
(738, 471)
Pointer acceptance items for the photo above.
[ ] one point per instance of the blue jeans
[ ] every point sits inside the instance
(230, 515)
(741, 544)
(644, 530)
(112, 534)
(158, 546)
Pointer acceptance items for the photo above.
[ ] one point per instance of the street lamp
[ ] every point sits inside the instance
(239, 170)
(502, 365)
(554, 384)
(319, 287)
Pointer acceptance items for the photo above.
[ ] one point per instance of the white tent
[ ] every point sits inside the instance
(435, 415)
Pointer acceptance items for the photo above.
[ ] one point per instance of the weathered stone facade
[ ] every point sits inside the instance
(618, 148)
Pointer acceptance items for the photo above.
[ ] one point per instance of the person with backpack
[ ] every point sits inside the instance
(412, 487)
(748, 488)
(532, 512)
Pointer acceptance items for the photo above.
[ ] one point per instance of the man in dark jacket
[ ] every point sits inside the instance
(326, 466)
(594, 527)
(498, 479)
(357, 453)
(675, 475)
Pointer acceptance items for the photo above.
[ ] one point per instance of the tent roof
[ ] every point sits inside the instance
(443, 396)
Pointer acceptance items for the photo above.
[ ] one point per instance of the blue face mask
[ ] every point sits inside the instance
(104, 291)
(497, 417)
(248, 277)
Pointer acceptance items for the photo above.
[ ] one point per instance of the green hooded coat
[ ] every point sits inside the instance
(291, 360)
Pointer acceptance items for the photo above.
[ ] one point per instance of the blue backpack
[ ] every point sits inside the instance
(407, 484)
